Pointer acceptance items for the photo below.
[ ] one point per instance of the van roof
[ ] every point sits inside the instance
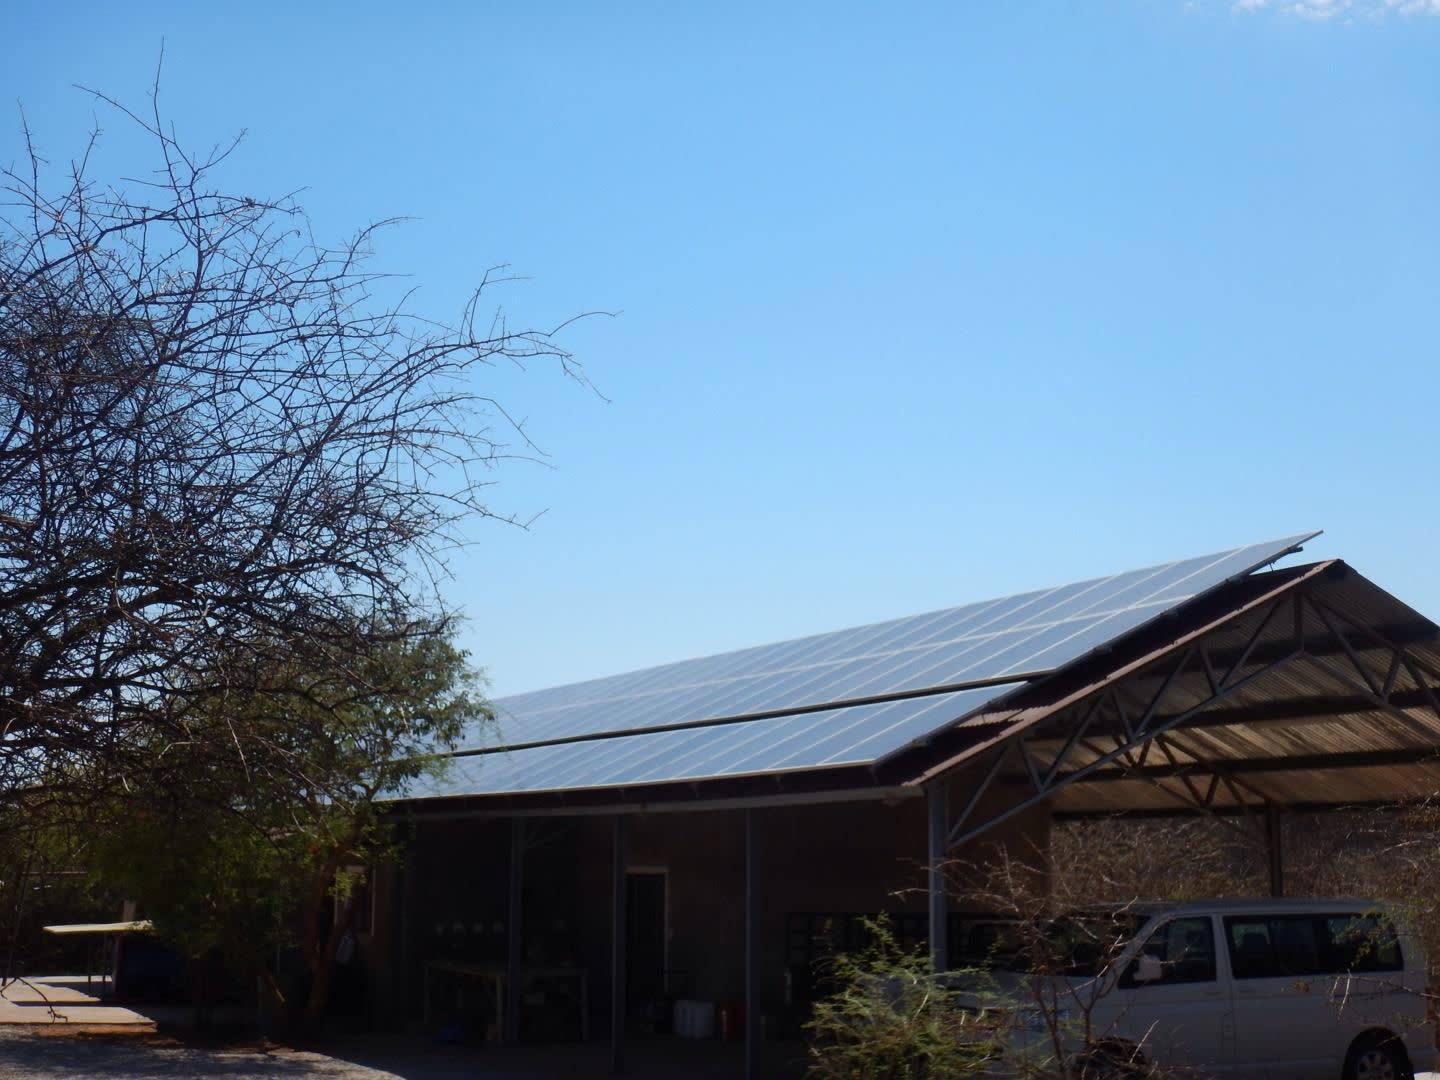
(1256, 905)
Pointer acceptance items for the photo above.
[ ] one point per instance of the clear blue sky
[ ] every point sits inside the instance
(921, 303)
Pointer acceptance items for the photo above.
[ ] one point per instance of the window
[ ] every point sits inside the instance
(1185, 949)
(1268, 948)
(1289, 945)
(1079, 943)
(1361, 943)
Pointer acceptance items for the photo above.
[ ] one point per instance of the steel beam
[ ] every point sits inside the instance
(1219, 775)
(987, 781)
(1362, 661)
(1357, 759)
(1311, 709)
(1080, 772)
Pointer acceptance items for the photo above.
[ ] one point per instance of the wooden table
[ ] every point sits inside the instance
(498, 976)
(103, 932)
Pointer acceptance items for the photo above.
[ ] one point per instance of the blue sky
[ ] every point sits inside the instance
(919, 304)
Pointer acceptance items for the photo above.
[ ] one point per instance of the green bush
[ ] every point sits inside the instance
(891, 1018)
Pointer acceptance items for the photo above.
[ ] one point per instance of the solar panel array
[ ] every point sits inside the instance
(946, 651)
(857, 733)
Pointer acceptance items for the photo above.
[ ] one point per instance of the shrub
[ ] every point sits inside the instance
(891, 1018)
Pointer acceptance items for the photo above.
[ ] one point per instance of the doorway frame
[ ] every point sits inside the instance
(664, 873)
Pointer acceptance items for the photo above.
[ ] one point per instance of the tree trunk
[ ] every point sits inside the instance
(199, 992)
(323, 971)
(269, 1004)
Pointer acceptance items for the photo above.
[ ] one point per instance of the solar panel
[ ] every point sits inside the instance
(846, 736)
(837, 690)
(1032, 632)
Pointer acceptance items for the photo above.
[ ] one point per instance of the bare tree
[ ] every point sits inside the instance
(1382, 853)
(1064, 916)
(1055, 954)
(217, 446)
(1120, 859)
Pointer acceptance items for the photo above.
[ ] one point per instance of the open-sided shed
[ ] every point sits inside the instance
(767, 786)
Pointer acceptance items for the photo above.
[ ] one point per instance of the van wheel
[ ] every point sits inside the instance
(1378, 1057)
(1110, 1061)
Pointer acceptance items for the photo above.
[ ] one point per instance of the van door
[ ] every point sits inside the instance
(1285, 1025)
(1183, 1018)
(1370, 986)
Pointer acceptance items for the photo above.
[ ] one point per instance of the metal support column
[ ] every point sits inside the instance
(1274, 850)
(617, 948)
(937, 802)
(514, 952)
(406, 916)
(752, 957)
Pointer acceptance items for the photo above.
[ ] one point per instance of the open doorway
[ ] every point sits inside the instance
(646, 939)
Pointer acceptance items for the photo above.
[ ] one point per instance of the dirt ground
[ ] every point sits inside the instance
(28, 1055)
(55, 1053)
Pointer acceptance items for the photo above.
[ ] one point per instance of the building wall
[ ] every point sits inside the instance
(830, 858)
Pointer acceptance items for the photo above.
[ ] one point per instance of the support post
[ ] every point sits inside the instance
(405, 923)
(938, 804)
(752, 943)
(514, 975)
(617, 947)
(1274, 849)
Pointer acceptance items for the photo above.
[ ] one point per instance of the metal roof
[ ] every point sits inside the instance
(1354, 721)
(850, 698)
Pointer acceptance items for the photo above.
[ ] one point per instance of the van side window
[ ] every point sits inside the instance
(1250, 953)
(1185, 949)
(1361, 943)
(1277, 946)
(1267, 948)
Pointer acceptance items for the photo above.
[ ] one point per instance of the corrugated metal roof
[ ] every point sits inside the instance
(850, 697)
(1309, 733)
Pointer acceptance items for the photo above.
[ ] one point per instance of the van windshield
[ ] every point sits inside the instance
(1077, 943)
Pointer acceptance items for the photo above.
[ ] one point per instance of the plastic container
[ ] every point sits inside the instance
(694, 1019)
(732, 1021)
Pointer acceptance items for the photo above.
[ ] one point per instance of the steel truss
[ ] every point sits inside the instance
(1137, 739)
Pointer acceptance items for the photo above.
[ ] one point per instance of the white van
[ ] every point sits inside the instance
(1300, 989)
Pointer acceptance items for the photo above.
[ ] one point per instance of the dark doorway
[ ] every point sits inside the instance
(645, 948)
